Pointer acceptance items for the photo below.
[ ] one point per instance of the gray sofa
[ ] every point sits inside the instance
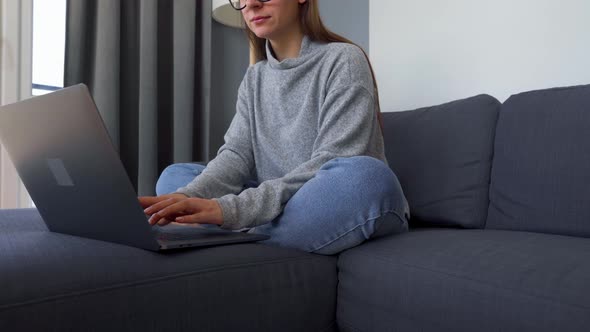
(500, 202)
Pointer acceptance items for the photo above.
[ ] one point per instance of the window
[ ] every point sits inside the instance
(15, 85)
(49, 39)
(31, 63)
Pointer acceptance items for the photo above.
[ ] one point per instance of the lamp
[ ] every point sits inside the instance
(224, 13)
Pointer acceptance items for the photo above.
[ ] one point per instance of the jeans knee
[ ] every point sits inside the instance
(356, 164)
(366, 171)
(176, 176)
(181, 169)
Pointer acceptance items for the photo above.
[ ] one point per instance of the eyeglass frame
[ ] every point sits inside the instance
(240, 9)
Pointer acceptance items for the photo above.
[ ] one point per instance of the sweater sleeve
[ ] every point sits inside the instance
(232, 167)
(347, 121)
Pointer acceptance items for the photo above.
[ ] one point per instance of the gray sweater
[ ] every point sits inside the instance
(292, 117)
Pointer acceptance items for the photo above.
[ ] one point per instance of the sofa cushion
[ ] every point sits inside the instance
(56, 282)
(541, 171)
(466, 280)
(442, 158)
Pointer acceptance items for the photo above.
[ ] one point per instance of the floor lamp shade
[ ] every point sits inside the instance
(224, 13)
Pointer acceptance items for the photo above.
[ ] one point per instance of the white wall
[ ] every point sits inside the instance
(427, 52)
(349, 18)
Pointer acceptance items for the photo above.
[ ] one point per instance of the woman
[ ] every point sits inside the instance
(303, 159)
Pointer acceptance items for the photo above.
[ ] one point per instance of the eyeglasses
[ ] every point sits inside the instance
(241, 4)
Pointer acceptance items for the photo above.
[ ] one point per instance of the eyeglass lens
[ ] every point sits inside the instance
(241, 4)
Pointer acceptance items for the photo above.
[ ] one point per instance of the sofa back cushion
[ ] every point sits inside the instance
(442, 158)
(541, 170)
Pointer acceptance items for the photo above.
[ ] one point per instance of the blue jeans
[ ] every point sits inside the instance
(349, 201)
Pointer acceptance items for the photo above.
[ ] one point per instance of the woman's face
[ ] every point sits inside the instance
(271, 19)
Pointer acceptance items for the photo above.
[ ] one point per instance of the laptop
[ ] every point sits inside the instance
(66, 160)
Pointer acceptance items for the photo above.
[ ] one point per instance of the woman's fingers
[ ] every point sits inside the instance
(163, 210)
(157, 207)
(192, 210)
(176, 209)
(164, 222)
(201, 211)
(163, 202)
(147, 201)
(196, 218)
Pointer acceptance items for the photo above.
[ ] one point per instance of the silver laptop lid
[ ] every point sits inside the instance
(67, 162)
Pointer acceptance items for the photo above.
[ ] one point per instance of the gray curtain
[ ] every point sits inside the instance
(147, 65)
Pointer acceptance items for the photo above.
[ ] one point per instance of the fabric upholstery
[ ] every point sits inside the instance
(466, 280)
(57, 282)
(442, 157)
(541, 171)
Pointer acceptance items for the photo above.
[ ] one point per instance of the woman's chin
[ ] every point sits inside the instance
(261, 33)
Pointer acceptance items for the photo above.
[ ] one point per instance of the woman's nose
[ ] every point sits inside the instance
(252, 3)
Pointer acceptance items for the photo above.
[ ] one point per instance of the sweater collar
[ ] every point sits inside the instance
(308, 48)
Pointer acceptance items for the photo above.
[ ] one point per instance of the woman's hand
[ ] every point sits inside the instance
(181, 209)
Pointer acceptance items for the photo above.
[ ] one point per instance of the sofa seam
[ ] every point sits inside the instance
(348, 325)
(478, 281)
(141, 283)
(333, 324)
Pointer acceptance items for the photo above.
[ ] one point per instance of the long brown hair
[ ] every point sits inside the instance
(316, 31)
